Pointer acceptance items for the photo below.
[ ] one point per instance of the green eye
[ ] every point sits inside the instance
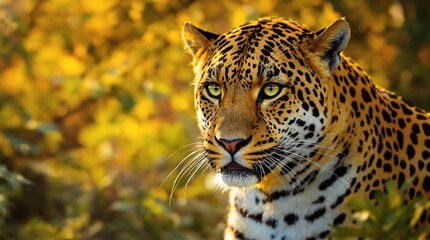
(271, 90)
(214, 90)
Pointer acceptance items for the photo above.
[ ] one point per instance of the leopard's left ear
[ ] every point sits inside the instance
(328, 44)
(196, 40)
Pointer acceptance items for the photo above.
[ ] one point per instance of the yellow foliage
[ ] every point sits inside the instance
(135, 13)
(35, 39)
(80, 51)
(181, 102)
(10, 117)
(70, 65)
(97, 6)
(13, 78)
(130, 128)
(53, 140)
(6, 146)
(145, 108)
(239, 15)
(47, 59)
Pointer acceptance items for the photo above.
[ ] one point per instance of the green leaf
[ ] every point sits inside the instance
(127, 101)
(47, 127)
(363, 204)
(21, 145)
(387, 217)
(121, 206)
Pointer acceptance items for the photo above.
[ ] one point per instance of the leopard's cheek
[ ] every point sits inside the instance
(206, 112)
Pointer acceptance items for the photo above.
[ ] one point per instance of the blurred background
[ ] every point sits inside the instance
(96, 106)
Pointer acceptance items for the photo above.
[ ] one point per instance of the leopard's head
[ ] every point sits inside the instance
(261, 96)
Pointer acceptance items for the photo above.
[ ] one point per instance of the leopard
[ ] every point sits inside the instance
(292, 128)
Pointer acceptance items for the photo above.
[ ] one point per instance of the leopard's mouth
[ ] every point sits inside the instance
(235, 175)
(234, 167)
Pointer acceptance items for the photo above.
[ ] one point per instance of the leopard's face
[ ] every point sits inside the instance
(261, 102)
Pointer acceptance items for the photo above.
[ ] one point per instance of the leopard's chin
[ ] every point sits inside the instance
(236, 178)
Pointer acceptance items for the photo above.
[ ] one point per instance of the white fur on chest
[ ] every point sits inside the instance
(295, 216)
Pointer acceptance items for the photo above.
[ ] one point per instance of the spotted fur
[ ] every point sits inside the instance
(289, 161)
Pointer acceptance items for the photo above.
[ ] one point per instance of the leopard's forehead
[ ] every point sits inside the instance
(276, 29)
(253, 48)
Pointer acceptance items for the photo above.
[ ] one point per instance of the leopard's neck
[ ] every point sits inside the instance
(297, 210)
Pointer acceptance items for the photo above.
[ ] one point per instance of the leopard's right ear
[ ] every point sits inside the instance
(329, 42)
(196, 40)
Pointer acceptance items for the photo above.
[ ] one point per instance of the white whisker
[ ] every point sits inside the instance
(198, 144)
(197, 168)
(187, 168)
(326, 170)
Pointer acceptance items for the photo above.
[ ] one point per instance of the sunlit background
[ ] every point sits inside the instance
(96, 106)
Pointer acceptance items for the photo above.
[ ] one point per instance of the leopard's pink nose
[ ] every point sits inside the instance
(232, 146)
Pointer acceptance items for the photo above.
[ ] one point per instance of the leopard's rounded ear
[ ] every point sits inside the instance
(196, 40)
(330, 42)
